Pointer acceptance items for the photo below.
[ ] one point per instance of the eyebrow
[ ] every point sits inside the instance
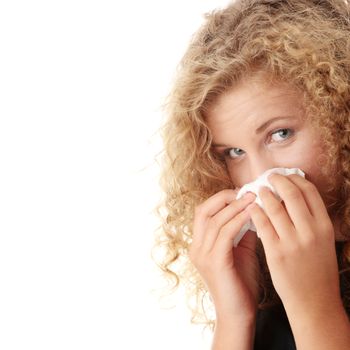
(260, 129)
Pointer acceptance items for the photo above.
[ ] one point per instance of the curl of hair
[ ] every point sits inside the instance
(305, 43)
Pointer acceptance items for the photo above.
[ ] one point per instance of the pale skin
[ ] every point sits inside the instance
(297, 235)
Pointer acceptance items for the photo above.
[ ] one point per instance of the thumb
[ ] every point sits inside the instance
(249, 240)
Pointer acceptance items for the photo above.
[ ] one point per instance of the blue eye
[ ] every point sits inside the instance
(278, 136)
(282, 133)
(233, 152)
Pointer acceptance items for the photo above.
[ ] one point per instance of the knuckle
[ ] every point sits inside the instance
(198, 210)
(229, 195)
(214, 223)
(276, 209)
(277, 256)
(224, 230)
(310, 239)
(228, 191)
(293, 193)
(264, 223)
(310, 187)
(293, 249)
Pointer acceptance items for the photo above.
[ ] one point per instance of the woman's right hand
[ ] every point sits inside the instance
(230, 273)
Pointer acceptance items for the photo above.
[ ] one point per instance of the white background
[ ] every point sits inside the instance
(81, 89)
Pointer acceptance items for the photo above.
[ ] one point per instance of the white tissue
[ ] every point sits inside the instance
(254, 187)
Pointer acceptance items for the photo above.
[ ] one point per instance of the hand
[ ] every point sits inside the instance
(229, 273)
(298, 240)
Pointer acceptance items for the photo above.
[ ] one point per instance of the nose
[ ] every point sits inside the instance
(258, 165)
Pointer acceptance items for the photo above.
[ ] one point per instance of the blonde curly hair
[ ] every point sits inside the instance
(305, 43)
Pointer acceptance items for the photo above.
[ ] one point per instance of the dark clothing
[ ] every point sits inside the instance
(273, 331)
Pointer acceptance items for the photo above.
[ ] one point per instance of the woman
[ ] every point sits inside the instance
(263, 84)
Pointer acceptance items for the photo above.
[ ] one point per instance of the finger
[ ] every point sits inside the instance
(294, 202)
(277, 214)
(311, 195)
(316, 207)
(208, 208)
(264, 228)
(216, 202)
(215, 224)
(227, 234)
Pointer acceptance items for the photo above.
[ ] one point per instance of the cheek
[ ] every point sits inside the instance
(237, 175)
(310, 164)
(308, 156)
(321, 179)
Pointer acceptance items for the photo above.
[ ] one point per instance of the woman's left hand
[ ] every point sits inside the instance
(299, 243)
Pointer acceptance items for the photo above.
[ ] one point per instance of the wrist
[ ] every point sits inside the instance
(234, 333)
(314, 310)
(326, 319)
(235, 321)
(244, 316)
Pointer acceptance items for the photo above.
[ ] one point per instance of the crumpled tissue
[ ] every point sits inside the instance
(254, 187)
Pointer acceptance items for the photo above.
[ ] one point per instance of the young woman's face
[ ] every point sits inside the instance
(256, 128)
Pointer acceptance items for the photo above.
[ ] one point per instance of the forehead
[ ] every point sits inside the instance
(253, 102)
